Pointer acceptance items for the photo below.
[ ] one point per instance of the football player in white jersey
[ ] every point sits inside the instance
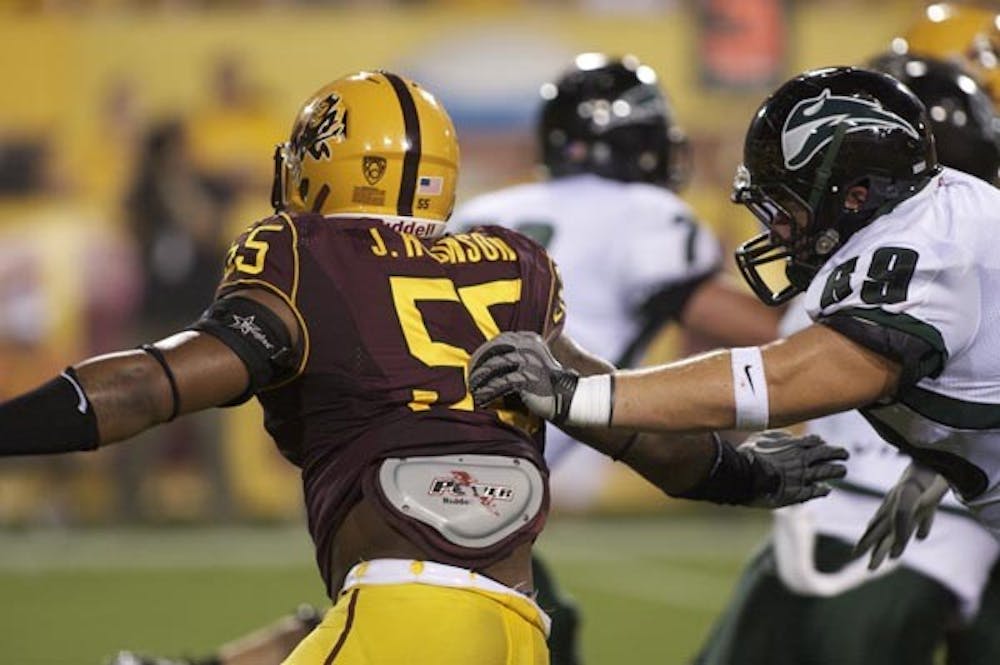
(805, 577)
(631, 253)
(894, 255)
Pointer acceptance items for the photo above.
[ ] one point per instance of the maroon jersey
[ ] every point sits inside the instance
(389, 322)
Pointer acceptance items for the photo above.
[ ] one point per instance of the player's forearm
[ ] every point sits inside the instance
(101, 400)
(570, 354)
(719, 391)
(690, 395)
(727, 315)
(672, 462)
(128, 391)
(813, 373)
(612, 443)
(110, 398)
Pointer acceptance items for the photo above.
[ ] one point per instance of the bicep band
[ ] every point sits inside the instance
(257, 335)
(157, 355)
(749, 388)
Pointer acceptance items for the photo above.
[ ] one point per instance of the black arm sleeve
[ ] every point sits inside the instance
(734, 479)
(55, 418)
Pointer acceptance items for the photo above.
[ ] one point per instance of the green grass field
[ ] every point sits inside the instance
(649, 586)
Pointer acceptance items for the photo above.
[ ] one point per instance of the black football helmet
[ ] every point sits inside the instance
(609, 117)
(963, 118)
(819, 135)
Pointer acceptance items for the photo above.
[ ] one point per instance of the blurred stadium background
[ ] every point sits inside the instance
(136, 140)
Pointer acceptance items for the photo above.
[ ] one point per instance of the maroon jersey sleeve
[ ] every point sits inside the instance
(266, 256)
(555, 316)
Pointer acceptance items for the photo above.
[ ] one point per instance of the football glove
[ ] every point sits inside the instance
(521, 363)
(790, 469)
(908, 506)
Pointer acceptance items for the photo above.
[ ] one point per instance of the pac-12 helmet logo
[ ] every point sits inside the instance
(813, 122)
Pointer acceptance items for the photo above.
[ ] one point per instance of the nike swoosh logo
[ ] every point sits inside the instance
(82, 406)
(746, 370)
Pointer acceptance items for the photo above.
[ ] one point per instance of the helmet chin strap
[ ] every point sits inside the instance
(278, 199)
(829, 239)
(825, 169)
(799, 275)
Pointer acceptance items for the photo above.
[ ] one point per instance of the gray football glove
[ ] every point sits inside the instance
(909, 506)
(792, 469)
(520, 363)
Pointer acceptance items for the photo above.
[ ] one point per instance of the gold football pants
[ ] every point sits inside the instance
(384, 618)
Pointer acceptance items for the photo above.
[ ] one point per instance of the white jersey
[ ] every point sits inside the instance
(929, 271)
(959, 552)
(617, 245)
(626, 252)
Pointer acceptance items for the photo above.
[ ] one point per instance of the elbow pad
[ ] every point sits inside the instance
(257, 335)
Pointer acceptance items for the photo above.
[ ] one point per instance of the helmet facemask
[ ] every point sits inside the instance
(792, 235)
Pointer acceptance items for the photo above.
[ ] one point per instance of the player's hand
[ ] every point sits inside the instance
(520, 363)
(793, 469)
(909, 506)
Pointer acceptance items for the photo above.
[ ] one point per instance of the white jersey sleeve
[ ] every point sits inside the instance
(902, 295)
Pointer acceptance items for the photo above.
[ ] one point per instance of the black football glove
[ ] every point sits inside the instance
(791, 469)
(520, 363)
(909, 506)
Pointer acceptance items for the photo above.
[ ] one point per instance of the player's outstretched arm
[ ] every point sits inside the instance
(812, 373)
(113, 397)
(771, 470)
(726, 314)
(674, 463)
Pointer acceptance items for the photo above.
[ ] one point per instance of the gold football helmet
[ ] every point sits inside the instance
(968, 34)
(375, 144)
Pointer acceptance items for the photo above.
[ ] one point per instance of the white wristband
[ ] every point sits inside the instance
(749, 388)
(592, 402)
